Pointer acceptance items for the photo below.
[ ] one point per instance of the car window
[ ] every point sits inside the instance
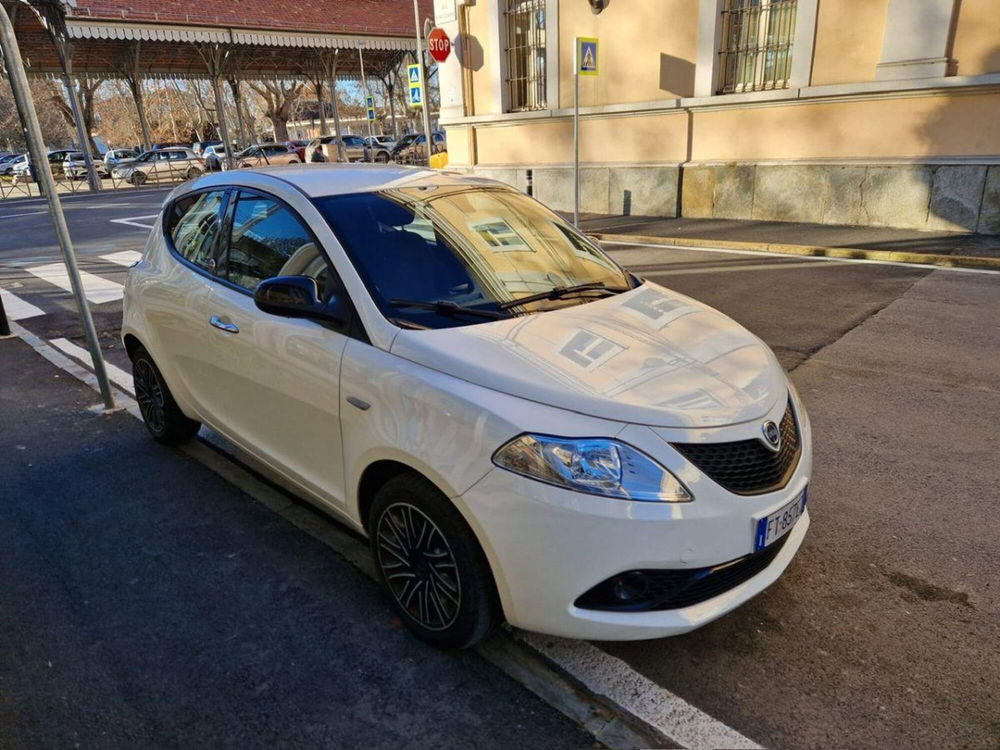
(268, 239)
(178, 155)
(481, 248)
(193, 224)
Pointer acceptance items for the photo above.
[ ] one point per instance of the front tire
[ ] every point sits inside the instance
(163, 418)
(428, 559)
(138, 178)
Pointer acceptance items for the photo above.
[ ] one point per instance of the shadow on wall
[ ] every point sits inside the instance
(469, 52)
(676, 76)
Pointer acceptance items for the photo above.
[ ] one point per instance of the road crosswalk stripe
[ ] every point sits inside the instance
(115, 374)
(124, 258)
(16, 308)
(96, 288)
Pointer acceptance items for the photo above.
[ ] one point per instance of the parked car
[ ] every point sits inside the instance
(411, 149)
(199, 147)
(324, 148)
(161, 165)
(380, 148)
(117, 157)
(263, 155)
(522, 428)
(8, 167)
(56, 159)
(299, 147)
(75, 168)
(214, 157)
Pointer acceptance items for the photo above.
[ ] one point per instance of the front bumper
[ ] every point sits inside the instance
(547, 545)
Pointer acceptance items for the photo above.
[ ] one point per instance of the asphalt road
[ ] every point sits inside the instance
(884, 631)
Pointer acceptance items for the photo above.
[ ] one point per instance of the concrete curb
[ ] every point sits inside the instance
(816, 251)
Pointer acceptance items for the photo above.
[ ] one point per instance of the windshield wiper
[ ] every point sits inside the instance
(446, 307)
(562, 291)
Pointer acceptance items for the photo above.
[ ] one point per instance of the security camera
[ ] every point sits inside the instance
(598, 5)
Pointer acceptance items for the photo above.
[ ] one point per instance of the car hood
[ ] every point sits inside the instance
(648, 356)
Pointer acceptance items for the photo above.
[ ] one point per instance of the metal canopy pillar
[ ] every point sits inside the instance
(36, 149)
(215, 58)
(368, 95)
(332, 77)
(133, 77)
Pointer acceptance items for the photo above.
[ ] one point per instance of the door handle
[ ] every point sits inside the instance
(222, 325)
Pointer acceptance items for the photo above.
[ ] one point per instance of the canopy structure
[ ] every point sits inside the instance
(218, 40)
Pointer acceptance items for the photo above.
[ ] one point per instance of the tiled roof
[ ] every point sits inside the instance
(367, 17)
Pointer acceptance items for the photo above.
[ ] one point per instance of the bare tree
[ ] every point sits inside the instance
(279, 98)
(86, 89)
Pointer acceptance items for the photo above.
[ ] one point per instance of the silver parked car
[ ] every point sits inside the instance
(75, 168)
(263, 155)
(162, 165)
(324, 148)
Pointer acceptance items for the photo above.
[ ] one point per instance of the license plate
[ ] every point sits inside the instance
(774, 526)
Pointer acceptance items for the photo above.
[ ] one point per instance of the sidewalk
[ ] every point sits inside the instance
(147, 602)
(875, 243)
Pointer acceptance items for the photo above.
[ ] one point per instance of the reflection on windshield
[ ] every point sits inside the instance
(471, 247)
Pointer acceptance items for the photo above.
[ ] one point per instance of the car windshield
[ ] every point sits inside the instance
(466, 254)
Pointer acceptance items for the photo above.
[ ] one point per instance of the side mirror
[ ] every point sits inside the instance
(296, 297)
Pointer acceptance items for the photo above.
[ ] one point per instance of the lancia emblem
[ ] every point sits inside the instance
(772, 435)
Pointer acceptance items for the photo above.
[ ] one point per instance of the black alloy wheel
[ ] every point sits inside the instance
(161, 414)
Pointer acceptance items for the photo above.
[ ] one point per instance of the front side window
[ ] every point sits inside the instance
(756, 53)
(193, 224)
(524, 76)
(267, 240)
(421, 250)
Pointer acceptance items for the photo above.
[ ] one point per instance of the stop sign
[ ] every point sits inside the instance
(438, 44)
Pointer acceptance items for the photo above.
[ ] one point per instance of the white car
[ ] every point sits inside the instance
(522, 429)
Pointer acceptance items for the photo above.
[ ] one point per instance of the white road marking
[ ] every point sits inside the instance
(115, 374)
(95, 288)
(609, 676)
(722, 269)
(125, 258)
(131, 221)
(817, 258)
(16, 308)
(16, 216)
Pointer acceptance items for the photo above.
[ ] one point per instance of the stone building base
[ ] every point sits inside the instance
(950, 197)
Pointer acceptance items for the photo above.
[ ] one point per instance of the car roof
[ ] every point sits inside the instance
(322, 180)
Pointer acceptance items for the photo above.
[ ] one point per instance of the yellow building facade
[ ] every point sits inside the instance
(868, 112)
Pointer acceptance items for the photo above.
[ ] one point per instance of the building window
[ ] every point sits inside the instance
(524, 21)
(756, 52)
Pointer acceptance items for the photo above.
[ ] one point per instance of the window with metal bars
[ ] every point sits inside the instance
(757, 38)
(524, 52)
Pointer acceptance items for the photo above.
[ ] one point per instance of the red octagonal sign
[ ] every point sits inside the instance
(439, 45)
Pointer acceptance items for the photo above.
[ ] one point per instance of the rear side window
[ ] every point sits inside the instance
(268, 240)
(194, 223)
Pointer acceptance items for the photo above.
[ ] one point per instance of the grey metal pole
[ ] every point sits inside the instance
(36, 149)
(368, 94)
(341, 155)
(423, 80)
(576, 138)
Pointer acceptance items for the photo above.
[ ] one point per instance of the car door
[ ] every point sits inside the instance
(282, 375)
(177, 302)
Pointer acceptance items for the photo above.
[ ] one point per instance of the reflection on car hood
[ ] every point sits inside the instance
(648, 356)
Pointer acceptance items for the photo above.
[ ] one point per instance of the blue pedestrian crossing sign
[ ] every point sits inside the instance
(586, 56)
(414, 76)
(370, 107)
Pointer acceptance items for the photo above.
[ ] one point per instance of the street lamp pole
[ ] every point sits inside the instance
(43, 173)
(423, 79)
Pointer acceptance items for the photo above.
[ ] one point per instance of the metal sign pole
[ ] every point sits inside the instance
(36, 149)
(423, 82)
(576, 135)
(368, 100)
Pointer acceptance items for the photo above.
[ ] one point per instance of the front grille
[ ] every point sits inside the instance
(748, 467)
(676, 589)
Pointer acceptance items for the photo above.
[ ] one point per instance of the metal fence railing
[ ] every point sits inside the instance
(757, 37)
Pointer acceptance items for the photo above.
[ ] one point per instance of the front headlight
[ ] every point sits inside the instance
(597, 466)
